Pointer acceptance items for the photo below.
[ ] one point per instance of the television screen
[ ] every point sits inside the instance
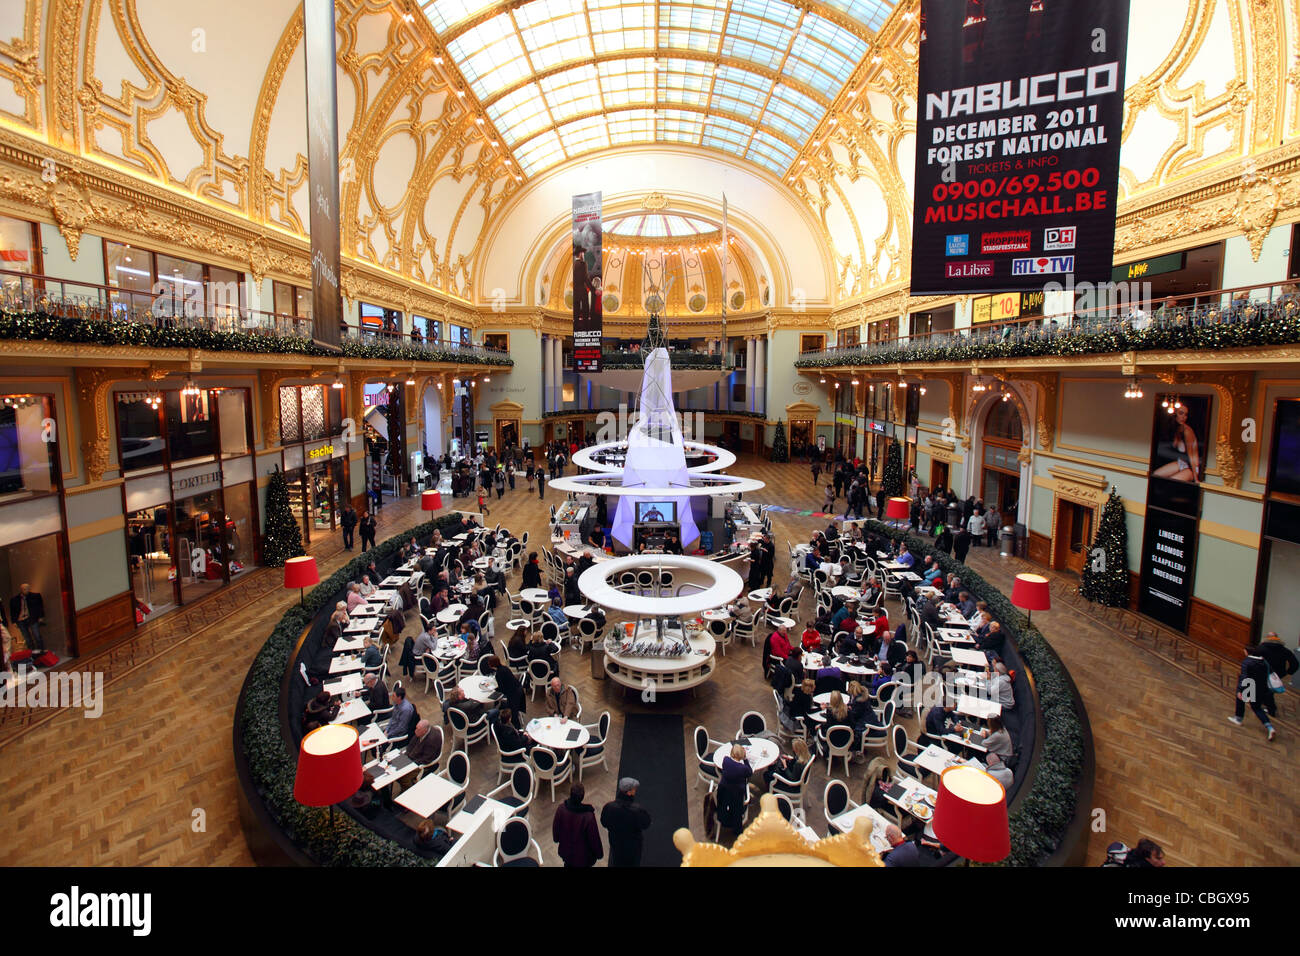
(651, 511)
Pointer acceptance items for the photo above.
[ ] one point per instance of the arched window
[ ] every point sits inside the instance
(1003, 421)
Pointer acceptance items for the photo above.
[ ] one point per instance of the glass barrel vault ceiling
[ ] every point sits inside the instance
(560, 78)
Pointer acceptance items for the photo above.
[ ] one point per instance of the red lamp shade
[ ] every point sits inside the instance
(301, 572)
(1031, 593)
(898, 508)
(970, 815)
(329, 766)
(430, 501)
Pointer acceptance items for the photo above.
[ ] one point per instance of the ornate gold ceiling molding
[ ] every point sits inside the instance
(93, 409)
(1049, 384)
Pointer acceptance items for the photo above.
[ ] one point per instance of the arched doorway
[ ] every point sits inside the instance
(432, 409)
(998, 477)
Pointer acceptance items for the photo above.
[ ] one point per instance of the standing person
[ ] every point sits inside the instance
(1281, 659)
(1253, 689)
(829, 504)
(510, 475)
(976, 526)
(530, 473)
(367, 531)
(500, 482)
(574, 830)
(348, 521)
(816, 471)
(992, 524)
(541, 483)
(837, 481)
(482, 500)
(626, 820)
(880, 503)
(961, 545)
(27, 610)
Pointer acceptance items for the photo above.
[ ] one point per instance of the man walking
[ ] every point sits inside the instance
(367, 531)
(1253, 689)
(541, 483)
(626, 820)
(348, 521)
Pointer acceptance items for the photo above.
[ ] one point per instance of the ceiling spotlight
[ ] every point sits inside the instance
(338, 382)
(922, 389)
(455, 382)
(822, 380)
(410, 380)
(1006, 396)
(855, 382)
(902, 384)
(1132, 390)
(837, 384)
(486, 379)
(190, 387)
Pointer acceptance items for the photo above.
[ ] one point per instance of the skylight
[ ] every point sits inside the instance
(562, 78)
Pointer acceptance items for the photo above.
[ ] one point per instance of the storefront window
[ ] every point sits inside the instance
(36, 563)
(139, 430)
(290, 417)
(240, 527)
(232, 416)
(200, 547)
(130, 270)
(18, 251)
(313, 412)
(149, 548)
(26, 452)
(223, 293)
(190, 429)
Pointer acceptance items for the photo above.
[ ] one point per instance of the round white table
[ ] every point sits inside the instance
(853, 670)
(760, 596)
(482, 563)
(786, 622)
(478, 687)
(518, 622)
(451, 613)
(449, 649)
(761, 753)
(846, 592)
(536, 595)
(822, 700)
(834, 570)
(576, 610)
(551, 733)
(718, 614)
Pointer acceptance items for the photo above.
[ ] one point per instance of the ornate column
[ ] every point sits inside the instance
(92, 406)
(751, 349)
(760, 378)
(546, 373)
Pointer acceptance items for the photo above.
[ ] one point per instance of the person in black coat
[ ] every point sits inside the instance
(508, 686)
(348, 522)
(376, 693)
(1281, 659)
(1253, 689)
(367, 531)
(532, 572)
(626, 821)
(961, 544)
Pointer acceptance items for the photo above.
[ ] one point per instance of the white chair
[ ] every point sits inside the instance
(539, 675)
(507, 760)
(595, 751)
(458, 773)
(839, 743)
(587, 634)
(551, 766)
(516, 792)
(721, 633)
(743, 630)
(466, 733)
(836, 800)
(792, 790)
(752, 724)
(431, 666)
(515, 845)
(706, 771)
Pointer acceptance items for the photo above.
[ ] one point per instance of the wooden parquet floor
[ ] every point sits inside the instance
(126, 789)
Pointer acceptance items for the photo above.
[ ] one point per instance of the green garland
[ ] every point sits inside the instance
(1275, 327)
(270, 762)
(679, 359)
(1044, 813)
(42, 326)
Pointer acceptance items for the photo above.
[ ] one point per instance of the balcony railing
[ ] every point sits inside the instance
(1230, 318)
(58, 309)
(680, 358)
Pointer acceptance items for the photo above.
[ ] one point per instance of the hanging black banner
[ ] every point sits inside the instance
(588, 321)
(1020, 108)
(323, 170)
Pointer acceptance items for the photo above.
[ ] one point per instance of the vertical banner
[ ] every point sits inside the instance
(726, 249)
(1179, 441)
(323, 170)
(1020, 111)
(587, 320)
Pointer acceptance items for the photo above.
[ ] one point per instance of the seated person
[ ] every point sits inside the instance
(561, 700)
(998, 770)
(1000, 688)
(355, 597)
(363, 801)
(375, 692)
(954, 589)
(431, 840)
(905, 557)
(811, 639)
(424, 644)
(871, 592)
(540, 650)
(509, 736)
(880, 626)
(829, 679)
(991, 643)
(801, 703)
(365, 587)
(996, 740)
(885, 676)
(891, 650)
(571, 593)
(849, 613)
(848, 644)
(966, 605)
(518, 646)
(790, 767)
(321, 709)
(902, 851)
(940, 720)
(425, 747)
(370, 655)
(933, 573)
(402, 720)
(980, 608)
(780, 643)
(472, 709)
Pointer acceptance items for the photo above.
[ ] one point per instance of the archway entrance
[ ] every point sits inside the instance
(999, 477)
(432, 436)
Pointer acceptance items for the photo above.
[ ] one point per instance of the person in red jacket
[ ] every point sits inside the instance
(780, 646)
(574, 830)
(811, 638)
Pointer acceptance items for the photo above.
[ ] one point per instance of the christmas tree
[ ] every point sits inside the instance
(892, 479)
(283, 538)
(780, 448)
(1105, 573)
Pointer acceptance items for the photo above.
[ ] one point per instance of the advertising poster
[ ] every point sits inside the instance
(587, 321)
(1020, 111)
(323, 170)
(1168, 567)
